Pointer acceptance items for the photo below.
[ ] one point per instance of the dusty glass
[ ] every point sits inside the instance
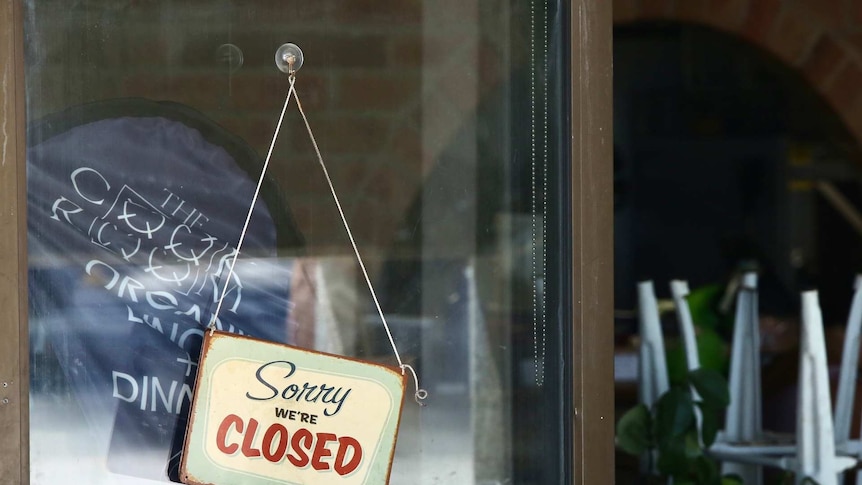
(443, 127)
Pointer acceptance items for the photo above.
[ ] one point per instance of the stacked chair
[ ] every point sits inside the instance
(822, 449)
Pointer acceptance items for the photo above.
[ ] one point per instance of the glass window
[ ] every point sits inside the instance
(443, 125)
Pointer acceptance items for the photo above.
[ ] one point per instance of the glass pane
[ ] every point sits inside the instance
(443, 128)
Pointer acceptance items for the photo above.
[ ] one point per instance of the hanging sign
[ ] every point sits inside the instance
(267, 413)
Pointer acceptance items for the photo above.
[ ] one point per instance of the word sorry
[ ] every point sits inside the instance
(307, 392)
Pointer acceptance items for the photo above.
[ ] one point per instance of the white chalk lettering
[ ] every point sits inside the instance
(87, 170)
(151, 393)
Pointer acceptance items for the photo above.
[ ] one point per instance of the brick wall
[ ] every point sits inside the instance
(365, 86)
(822, 39)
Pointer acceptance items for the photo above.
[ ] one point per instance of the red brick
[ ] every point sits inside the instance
(372, 222)
(390, 12)
(381, 185)
(144, 47)
(351, 176)
(298, 176)
(378, 91)
(282, 14)
(405, 51)
(651, 9)
(793, 35)
(857, 14)
(451, 16)
(853, 119)
(491, 68)
(833, 14)
(625, 11)
(443, 47)
(347, 134)
(459, 89)
(760, 19)
(854, 44)
(266, 92)
(338, 50)
(825, 58)
(392, 186)
(845, 90)
(692, 10)
(256, 131)
(199, 91)
(319, 223)
(727, 14)
(406, 145)
(314, 91)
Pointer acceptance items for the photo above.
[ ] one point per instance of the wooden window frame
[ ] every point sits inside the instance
(592, 245)
(14, 343)
(592, 269)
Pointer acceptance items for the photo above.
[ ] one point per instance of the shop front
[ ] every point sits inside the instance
(416, 189)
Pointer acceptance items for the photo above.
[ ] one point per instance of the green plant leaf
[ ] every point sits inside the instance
(633, 430)
(712, 352)
(675, 359)
(702, 303)
(672, 459)
(710, 424)
(674, 416)
(731, 480)
(706, 470)
(711, 386)
(692, 445)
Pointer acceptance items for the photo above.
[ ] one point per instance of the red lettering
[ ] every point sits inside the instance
(281, 446)
(296, 444)
(321, 451)
(248, 439)
(301, 449)
(223, 429)
(345, 443)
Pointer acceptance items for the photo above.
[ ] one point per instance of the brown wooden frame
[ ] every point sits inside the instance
(592, 242)
(14, 344)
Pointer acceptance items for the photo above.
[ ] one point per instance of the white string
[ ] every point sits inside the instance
(292, 91)
(420, 393)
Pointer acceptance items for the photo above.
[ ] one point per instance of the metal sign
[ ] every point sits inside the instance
(267, 413)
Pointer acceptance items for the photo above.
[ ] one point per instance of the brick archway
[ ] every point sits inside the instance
(822, 39)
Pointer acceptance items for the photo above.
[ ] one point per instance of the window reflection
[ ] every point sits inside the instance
(441, 129)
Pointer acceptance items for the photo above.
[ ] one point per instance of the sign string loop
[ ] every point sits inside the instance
(420, 394)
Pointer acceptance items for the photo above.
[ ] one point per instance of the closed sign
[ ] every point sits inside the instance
(269, 413)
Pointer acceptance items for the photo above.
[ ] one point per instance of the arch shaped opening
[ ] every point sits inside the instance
(727, 158)
(719, 150)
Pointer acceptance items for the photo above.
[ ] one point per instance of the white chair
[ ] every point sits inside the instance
(824, 445)
(844, 404)
(743, 419)
(652, 367)
(814, 454)
(679, 291)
